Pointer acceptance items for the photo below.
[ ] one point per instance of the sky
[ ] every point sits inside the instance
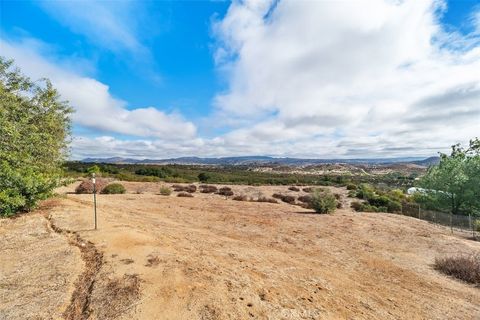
(310, 79)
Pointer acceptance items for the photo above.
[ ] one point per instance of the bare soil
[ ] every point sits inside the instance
(208, 257)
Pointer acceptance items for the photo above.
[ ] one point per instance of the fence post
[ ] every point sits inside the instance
(451, 222)
(418, 211)
(470, 224)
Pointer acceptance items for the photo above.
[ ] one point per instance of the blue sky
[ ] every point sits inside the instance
(212, 78)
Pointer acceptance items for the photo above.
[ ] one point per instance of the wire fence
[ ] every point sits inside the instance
(462, 223)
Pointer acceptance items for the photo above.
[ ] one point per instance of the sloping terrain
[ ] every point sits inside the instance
(211, 258)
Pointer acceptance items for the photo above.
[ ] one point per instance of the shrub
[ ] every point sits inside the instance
(165, 191)
(352, 194)
(277, 196)
(356, 205)
(351, 186)
(190, 188)
(305, 199)
(323, 201)
(339, 205)
(465, 268)
(288, 199)
(185, 195)
(87, 186)
(225, 191)
(307, 190)
(338, 196)
(205, 188)
(265, 199)
(293, 188)
(114, 188)
(240, 198)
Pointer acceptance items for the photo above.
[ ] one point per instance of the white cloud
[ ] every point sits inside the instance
(94, 105)
(349, 72)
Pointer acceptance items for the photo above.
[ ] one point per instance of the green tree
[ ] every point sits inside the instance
(454, 183)
(34, 133)
(203, 177)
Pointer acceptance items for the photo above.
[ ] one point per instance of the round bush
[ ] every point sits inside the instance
(165, 191)
(323, 202)
(114, 188)
(87, 186)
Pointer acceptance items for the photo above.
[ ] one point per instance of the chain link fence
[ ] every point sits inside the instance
(461, 223)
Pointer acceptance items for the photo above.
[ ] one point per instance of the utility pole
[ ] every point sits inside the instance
(94, 198)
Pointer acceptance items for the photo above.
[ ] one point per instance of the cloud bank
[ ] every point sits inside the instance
(303, 78)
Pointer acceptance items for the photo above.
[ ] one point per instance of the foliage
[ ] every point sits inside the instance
(114, 188)
(93, 169)
(161, 172)
(377, 200)
(351, 186)
(203, 177)
(465, 267)
(454, 184)
(34, 132)
(165, 191)
(323, 201)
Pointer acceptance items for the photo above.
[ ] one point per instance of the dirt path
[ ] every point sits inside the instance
(211, 258)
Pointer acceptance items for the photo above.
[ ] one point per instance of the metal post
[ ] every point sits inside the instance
(94, 199)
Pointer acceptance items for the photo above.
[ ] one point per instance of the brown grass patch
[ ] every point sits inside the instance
(116, 296)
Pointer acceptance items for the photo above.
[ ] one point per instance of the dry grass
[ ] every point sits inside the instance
(240, 198)
(465, 267)
(265, 199)
(116, 296)
(293, 188)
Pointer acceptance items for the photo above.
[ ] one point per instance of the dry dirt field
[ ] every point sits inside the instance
(207, 257)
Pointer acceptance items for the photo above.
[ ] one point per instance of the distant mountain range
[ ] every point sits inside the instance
(264, 160)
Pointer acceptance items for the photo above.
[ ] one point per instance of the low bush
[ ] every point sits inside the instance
(205, 188)
(277, 196)
(114, 188)
(338, 196)
(323, 201)
(87, 186)
(293, 188)
(305, 199)
(185, 195)
(165, 191)
(288, 199)
(465, 268)
(351, 186)
(190, 188)
(308, 189)
(240, 198)
(356, 205)
(225, 191)
(265, 199)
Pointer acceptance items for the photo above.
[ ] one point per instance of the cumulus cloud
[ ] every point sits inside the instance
(94, 106)
(373, 73)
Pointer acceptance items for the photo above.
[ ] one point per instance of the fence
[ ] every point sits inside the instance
(460, 223)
